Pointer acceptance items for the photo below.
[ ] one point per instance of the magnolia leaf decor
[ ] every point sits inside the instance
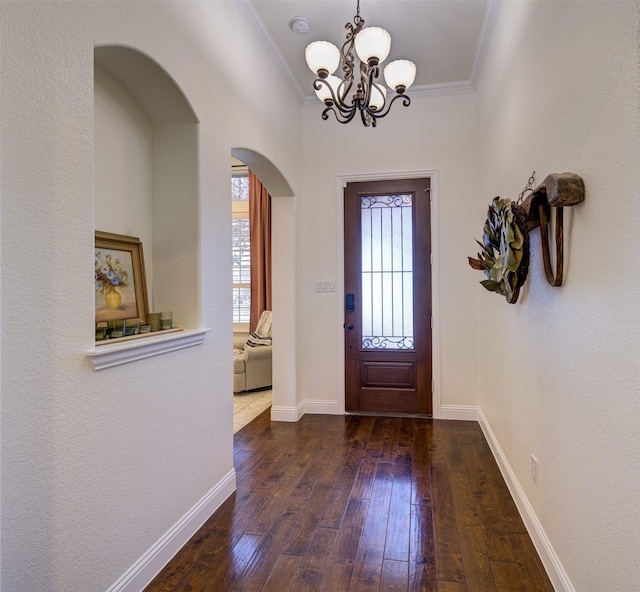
(504, 255)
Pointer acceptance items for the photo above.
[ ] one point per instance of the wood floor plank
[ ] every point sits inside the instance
(508, 577)
(359, 504)
(225, 565)
(399, 523)
(368, 563)
(345, 549)
(405, 433)
(313, 569)
(363, 483)
(261, 563)
(339, 497)
(284, 572)
(451, 587)
(422, 560)
(390, 439)
(525, 555)
(447, 540)
(309, 519)
(395, 576)
(281, 486)
(479, 577)
(465, 501)
(420, 482)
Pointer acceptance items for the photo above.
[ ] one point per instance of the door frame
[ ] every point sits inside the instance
(341, 183)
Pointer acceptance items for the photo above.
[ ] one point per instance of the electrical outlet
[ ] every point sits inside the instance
(534, 469)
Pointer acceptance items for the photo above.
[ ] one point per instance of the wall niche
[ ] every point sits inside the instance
(146, 175)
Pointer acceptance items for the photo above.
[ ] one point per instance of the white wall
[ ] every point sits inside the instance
(559, 371)
(436, 133)
(97, 466)
(124, 165)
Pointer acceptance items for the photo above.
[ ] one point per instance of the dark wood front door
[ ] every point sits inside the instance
(388, 297)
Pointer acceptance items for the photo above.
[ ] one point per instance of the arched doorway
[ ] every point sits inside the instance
(284, 404)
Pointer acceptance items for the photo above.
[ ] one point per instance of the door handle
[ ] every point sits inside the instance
(350, 326)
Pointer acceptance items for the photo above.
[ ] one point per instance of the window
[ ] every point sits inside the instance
(240, 250)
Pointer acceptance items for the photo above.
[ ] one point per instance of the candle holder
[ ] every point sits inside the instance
(153, 318)
(166, 320)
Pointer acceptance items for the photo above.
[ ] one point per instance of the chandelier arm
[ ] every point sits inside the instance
(367, 75)
(343, 90)
(340, 117)
(406, 101)
(367, 119)
(335, 101)
(371, 73)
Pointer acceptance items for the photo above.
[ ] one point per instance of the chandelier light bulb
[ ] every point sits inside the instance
(323, 58)
(324, 94)
(378, 97)
(373, 45)
(399, 75)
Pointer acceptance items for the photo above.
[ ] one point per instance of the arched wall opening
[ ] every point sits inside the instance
(285, 404)
(146, 174)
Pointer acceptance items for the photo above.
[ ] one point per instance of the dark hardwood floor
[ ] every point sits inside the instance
(355, 504)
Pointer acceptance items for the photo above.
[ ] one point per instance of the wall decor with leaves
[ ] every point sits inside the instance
(504, 250)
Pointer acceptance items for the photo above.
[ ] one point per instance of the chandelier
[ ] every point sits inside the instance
(372, 45)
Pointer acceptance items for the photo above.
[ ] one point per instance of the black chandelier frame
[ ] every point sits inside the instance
(360, 101)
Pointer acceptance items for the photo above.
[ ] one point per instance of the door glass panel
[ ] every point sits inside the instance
(387, 271)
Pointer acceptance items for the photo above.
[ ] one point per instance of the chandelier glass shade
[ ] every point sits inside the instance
(369, 98)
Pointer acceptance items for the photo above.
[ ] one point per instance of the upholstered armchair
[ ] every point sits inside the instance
(252, 357)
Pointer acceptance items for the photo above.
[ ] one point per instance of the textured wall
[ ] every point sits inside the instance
(123, 140)
(97, 466)
(560, 370)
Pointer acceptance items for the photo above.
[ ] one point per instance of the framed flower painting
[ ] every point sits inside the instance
(120, 282)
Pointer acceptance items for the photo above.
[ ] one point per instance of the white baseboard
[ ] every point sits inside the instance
(138, 576)
(290, 414)
(459, 412)
(548, 556)
(319, 407)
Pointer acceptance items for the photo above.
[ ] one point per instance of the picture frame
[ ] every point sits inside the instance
(120, 280)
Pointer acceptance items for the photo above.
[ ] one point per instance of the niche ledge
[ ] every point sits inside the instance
(116, 354)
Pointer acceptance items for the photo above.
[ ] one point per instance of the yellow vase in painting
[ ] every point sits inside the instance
(113, 298)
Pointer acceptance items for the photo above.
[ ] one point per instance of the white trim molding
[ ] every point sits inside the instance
(109, 355)
(255, 22)
(290, 414)
(271, 49)
(548, 556)
(138, 576)
(486, 33)
(459, 412)
(317, 407)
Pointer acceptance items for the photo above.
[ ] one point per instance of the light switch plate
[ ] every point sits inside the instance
(325, 286)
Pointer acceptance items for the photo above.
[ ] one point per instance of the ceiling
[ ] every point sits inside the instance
(445, 38)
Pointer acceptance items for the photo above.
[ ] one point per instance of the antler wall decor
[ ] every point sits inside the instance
(504, 255)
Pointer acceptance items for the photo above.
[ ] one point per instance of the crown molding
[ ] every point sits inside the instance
(256, 24)
(486, 33)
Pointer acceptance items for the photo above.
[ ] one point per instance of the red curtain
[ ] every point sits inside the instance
(260, 241)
